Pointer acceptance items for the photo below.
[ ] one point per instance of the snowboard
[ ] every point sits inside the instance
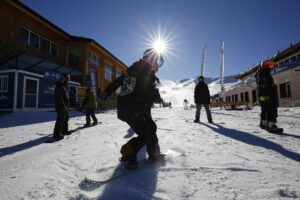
(105, 175)
(92, 183)
(83, 126)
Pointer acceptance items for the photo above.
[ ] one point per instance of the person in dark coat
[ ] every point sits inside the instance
(61, 108)
(138, 88)
(202, 97)
(268, 97)
(90, 105)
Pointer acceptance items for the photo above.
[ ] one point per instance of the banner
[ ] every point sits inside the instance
(51, 75)
(92, 78)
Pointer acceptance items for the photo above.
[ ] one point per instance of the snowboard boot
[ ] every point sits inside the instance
(57, 138)
(95, 122)
(197, 120)
(210, 120)
(263, 124)
(87, 124)
(128, 157)
(272, 128)
(126, 150)
(157, 158)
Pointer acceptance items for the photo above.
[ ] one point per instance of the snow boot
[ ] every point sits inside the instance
(95, 122)
(87, 124)
(126, 150)
(58, 138)
(197, 120)
(272, 128)
(263, 124)
(157, 158)
(129, 162)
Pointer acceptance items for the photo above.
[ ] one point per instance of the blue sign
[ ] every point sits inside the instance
(286, 67)
(92, 78)
(51, 75)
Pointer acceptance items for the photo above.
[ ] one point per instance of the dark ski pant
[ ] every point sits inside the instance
(268, 112)
(61, 124)
(90, 112)
(144, 126)
(208, 113)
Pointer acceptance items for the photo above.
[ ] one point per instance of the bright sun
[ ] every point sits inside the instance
(159, 46)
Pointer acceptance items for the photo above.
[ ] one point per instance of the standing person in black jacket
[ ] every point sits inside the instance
(268, 98)
(61, 108)
(138, 88)
(202, 97)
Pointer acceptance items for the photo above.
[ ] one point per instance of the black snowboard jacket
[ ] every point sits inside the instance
(61, 97)
(138, 89)
(201, 94)
(266, 86)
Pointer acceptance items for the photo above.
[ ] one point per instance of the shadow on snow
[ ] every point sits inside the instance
(29, 118)
(255, 140)
(139, 184)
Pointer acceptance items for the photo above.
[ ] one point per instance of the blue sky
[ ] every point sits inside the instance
(252, 29)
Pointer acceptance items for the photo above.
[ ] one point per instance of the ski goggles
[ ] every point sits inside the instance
(159, 62)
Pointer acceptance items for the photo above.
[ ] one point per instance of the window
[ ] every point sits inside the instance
(247, 96)
(3, 83)
(29, 38)
(285, 90)
(228, 99)
(49, 47)
(24, 36)
(242, 96)
(293, 58)
(254, 96)
(94, 59)
(118, 73)
(54, 49)
(45, 45)
(108, 72)
(298, 56)
(31, 86)
(236, 98)
(281, 63)
(34, 40)
(74, 56)
(287, 60)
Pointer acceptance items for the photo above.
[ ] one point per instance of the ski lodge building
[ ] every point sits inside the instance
(34, 53)
(286, 75)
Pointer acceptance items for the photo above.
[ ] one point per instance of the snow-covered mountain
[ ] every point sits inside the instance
(176, 92)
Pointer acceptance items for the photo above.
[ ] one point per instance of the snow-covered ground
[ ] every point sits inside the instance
(232, 159)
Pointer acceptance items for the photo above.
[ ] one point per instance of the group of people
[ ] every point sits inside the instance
(62, 108)
(139, 92)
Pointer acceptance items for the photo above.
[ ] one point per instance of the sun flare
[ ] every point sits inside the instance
(159, 46)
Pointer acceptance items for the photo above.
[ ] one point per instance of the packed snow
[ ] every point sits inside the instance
(231, 159)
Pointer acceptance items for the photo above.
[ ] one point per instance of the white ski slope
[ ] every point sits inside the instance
(232, 159)
(176, 92)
